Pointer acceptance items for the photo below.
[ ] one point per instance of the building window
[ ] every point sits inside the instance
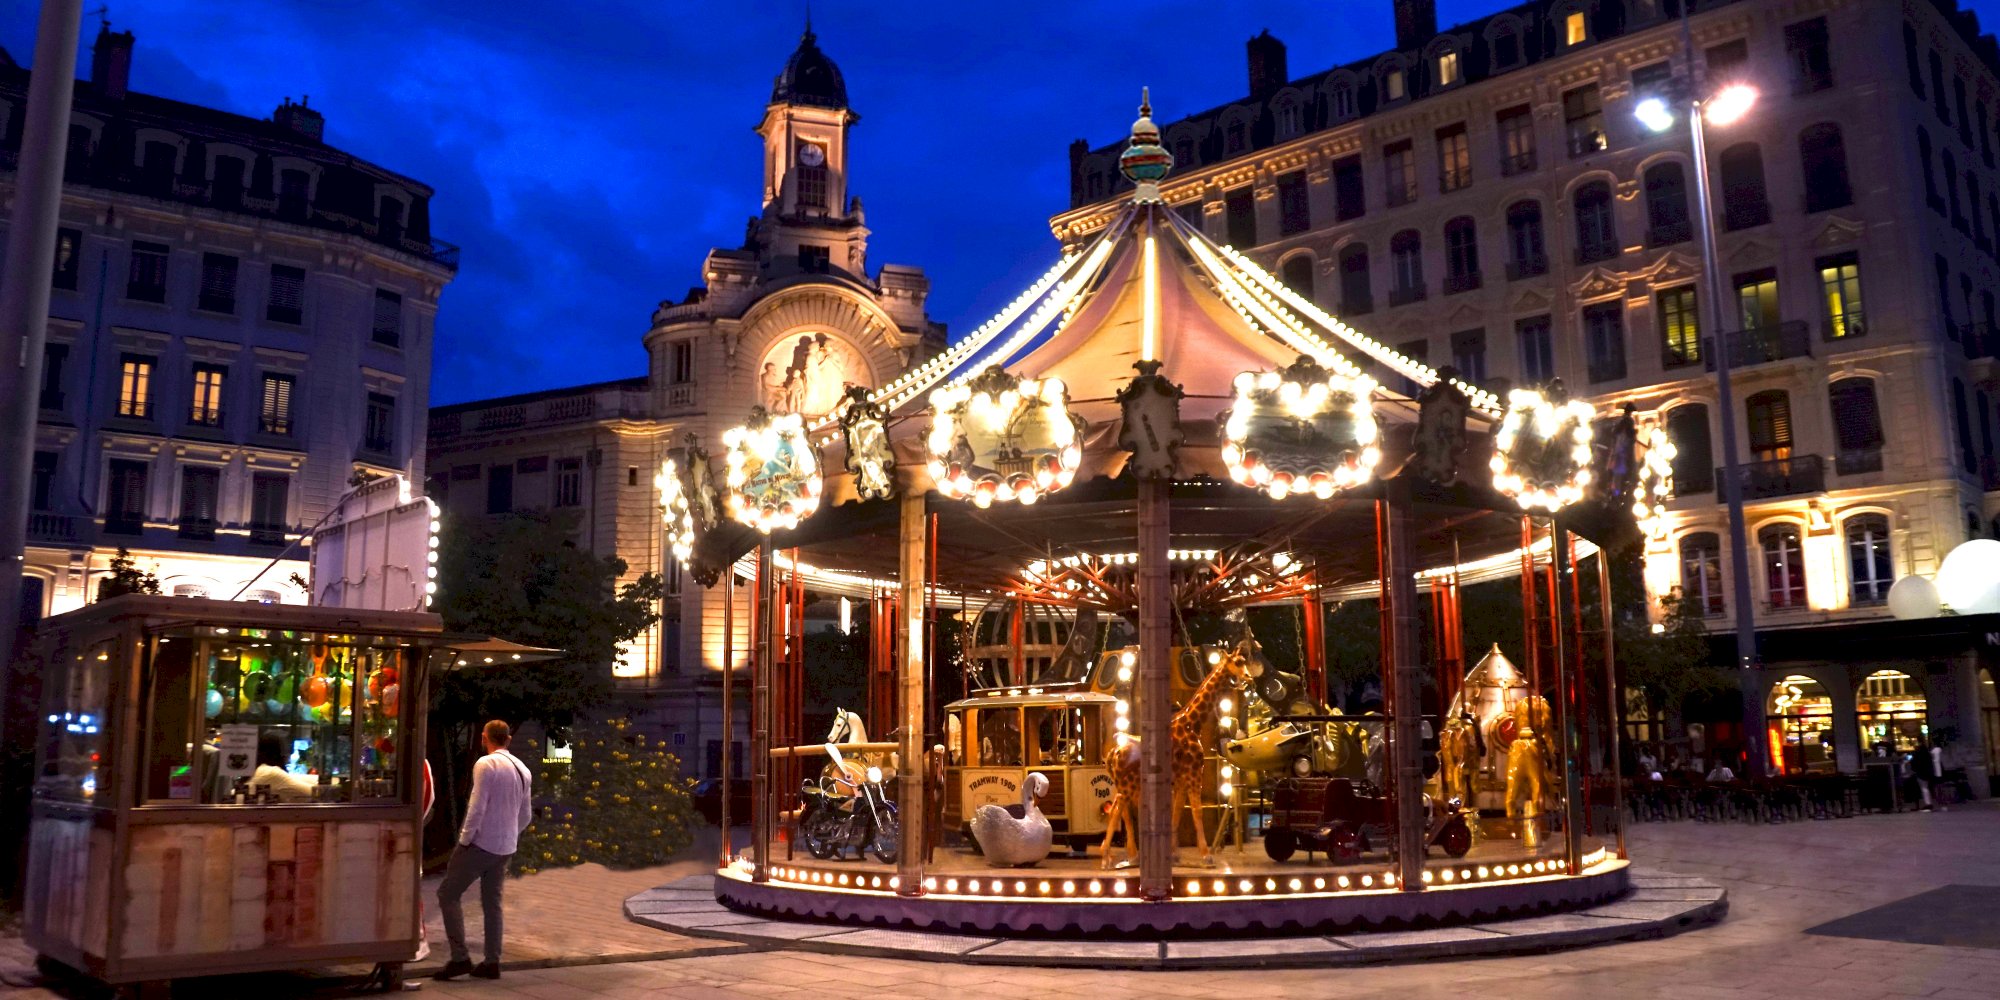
(69, 259)
(569, 482)
(1604, 338)
(815, 259)
(1527, 253)
(226, 190)
(270, 510)
(1770, 419)
(1824, 157)
(1744, 203)
(1454, 158)
(1505, 45)
(1912, 62)
(76, 153)
(1972, 211)
(1694, 462)
(1294, 211)
(1194, 213)
(1583, 120)
(389, 220)
(1757, 300)
(1447, 69)
(42, 481)
(1985, 136)
(1652, 80)
(156, 167)
(1680, 326)
(1857, 426)
(1666, 205)
(1937, 88)
(1726, 62)
(205, 409)
(1943, 271)
(125, 494)
(146, 281)
(1784, 566)
(1399, 172)
(286, 303)
(1963, 422)
(135, 386)
(379, 430)
(500, 489)
(680, 361)
(1596, 235)
(1840, 290)
(1869, 570)
(1950, 177)
(1538, 350)
(1576, 30)
(294, 188)
(1297, 274)
(1356, 296)
(812, 176)
(1239, 210)
(54, 358)
(201, 487)
(1340, 102)
(387, 329)
(1235, 138)
(1394, 87)
(1701, 573)
(1812, 67)
(1184, 153)
(1468, 354)
(274, 415)
(1958, 100)
(1406, 267)
(1350, 199)
(1924, 155)
(1416, 350)
(1517, 140)
(218, 284)
(1288, 119)
(1461, 255)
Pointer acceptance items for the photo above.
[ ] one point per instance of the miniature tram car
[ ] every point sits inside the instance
(1341, 817)
(995, 740)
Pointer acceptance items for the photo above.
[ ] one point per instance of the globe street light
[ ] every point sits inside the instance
(1722, 108)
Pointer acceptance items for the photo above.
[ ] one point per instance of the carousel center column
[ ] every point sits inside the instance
(1405, 660)
(761, 800)
(910, 684)
(1154, 696)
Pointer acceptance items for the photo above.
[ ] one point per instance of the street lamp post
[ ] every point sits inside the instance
(1723, 107)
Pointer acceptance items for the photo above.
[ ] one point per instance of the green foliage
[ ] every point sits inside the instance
(1671, 664)
(620, 802)
(126, 578)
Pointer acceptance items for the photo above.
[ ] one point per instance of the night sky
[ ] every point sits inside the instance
(587, 156)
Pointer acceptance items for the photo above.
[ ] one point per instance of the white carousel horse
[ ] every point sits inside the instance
(851, 770)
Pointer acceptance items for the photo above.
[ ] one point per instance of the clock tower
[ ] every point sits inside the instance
(808, 218)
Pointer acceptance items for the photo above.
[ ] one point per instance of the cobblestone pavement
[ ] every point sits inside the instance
(1782, 880)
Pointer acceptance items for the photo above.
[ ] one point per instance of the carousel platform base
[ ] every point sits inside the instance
(1646, 904)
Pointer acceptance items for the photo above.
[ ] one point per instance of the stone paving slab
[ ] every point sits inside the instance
(1105, 954)
(1205, 952)
(1414, 939)
(907, 944)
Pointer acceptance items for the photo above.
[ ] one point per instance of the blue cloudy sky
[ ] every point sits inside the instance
(586, 155)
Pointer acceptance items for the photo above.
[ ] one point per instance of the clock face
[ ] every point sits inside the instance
(811, 155)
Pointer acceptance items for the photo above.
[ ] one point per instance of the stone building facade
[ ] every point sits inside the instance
(241, 323)
(785, 321)
(1483, 197)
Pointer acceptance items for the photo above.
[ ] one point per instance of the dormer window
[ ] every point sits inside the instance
(1394, 87)
(1576, 30)
(1288, 119)
(1340, 102)
(1235, 138)
(1447, 68)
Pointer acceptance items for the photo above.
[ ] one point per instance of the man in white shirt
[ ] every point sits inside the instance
(499, 810)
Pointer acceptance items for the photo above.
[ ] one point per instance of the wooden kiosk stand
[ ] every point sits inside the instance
(226, 787)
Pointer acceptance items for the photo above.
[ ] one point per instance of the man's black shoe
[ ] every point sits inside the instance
(455, 968)
(486, 970)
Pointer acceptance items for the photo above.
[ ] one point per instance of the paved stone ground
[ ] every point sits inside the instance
(1781, 880)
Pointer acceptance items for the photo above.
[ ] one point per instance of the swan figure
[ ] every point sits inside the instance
(1011, 841)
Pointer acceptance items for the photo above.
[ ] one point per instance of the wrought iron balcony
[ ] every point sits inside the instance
(197, 527)
(1858, 461)
(1765, 344)
(44, 526)
(1781, 477)
(1673, 358)
(1843, 326)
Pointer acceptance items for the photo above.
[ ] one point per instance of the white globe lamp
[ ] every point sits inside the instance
(1968, 581)
(1913, 597)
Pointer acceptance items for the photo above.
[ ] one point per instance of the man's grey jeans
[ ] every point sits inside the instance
(468, 863)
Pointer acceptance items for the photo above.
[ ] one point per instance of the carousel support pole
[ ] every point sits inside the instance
(1530, 645)
(910, 635)
(1406, 657)
(1614, 756)
(1568, 667)
(762, 801)
(930, 628)
(1153, 704)
(728, 701)
(1315, 637)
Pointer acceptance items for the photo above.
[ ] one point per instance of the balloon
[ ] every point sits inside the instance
(212, 703)
(1968, 581)
(391, 699)
(1913, 597)
(314, 692)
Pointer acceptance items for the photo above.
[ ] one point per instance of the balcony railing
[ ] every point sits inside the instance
(267, 534)
(1765, 344)
(1456, 283)
(124, 524)
(680, 395)
(1781, 477)
(1842, 326)
(197, 527)
(1672, 358)
(47, 527)
(1858, 461)
(503, 417)
(1527, 267)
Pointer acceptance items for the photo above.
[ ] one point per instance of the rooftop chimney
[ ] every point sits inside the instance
(111, 62)
(1267, 65)
(1416, 23)
(301, 119)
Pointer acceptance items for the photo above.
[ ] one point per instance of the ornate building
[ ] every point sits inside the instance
(1483, 197)
(786, 321)
(241, 323)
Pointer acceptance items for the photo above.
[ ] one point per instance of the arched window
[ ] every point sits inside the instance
(1784, 566)
(1297, 274)
(1184, 152)
(1527, 252)
(1857, 426)
(1340, 101)
(1356, 298)
(1701, 573)
(1770, 414)
(1461, 255)
(1235, 137)
(1504, 44)
(1892, 711)
(1289, 117)
(1823, 154)
(1924, 154)
(1869, 569)
(1596, 234)
(1666, 205)
(1800, 710)
(1694, 461)
(1406, 266)
(1744, 202)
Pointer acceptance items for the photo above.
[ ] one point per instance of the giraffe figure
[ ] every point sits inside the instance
(1191, 733)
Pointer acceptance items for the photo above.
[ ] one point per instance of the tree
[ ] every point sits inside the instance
(126, 578)
(620, 801)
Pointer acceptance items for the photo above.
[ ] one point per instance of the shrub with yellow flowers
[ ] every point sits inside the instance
(620, 801)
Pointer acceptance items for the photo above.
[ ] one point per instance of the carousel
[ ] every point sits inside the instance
(1101, 484)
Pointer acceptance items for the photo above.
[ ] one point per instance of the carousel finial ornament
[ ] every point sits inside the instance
(1145, 161)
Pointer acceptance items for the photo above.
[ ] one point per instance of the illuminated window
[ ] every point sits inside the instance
(135, 386)
(1784, 566)
(1454, 158)
(206, 405)
(1701, 573)
(1869, 569)
(1583, 120)
(1393, 86)
(379, 431)
(1575, 31)
(1801, 719)
(1770, 418)
(1757, 300)
(275, 413)
(569, 482)
(1680, 327)
(1840, 289)
(1399, 164)
(1447, 69)
(1517, 140)
(1892, 711)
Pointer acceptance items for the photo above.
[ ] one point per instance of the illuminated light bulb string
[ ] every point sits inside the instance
(1656, 483)
(1541, 454)
(676, 514)
(1308, 394)
(988, 411)
(773, 479)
